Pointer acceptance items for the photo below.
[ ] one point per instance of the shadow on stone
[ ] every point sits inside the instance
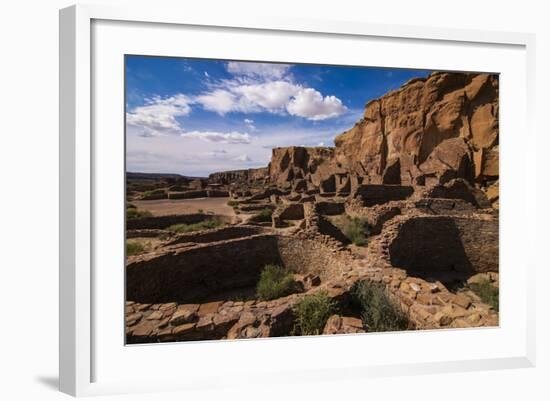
(431, 249)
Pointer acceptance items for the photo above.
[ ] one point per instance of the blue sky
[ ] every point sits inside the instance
(195, 117)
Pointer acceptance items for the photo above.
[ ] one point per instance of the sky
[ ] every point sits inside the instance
(196, 116)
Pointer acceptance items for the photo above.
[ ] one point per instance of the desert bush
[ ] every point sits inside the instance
(488, 293)
(354, 228)
(263, 216)
(274, 282)
(233, 204)
(130, 206)
(203, 225)
(312, 313)
(134, 213)
(378, 311)
(134, 248)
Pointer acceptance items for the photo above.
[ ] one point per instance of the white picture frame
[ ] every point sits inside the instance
(82, 345)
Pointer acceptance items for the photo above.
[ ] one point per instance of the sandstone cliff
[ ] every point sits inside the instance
(442, 127)
(428, 132)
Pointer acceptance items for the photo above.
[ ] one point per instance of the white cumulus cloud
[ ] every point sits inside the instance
(310, 104)
(220, 137)
(273, 96)
(158, 115)
(270, 96)
(220, 101)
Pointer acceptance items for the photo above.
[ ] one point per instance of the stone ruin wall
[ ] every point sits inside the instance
(216, 234)
(311, 256)
(160, 222)
(192, 273)
(441, 244)
(188, 274)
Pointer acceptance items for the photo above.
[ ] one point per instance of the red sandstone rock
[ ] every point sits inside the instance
(343, 325)
(184, 314)
(211, 307)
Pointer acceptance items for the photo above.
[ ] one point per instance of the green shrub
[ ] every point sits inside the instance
(312, 313)
(378, 311)
(233, 204)
(134, 213)
(274, 282)
(203, 225)
(487, 292)
(263, 216)
(130, 206)
(355, 229)
(134, 248)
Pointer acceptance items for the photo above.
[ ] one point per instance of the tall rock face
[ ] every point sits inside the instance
(438, 128)
(302, 168)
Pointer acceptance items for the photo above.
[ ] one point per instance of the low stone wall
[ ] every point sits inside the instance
(461, 190)
(444, 244)
(145, 233)
(480, 238)
(311, 257)
(290, 211)
(253, 207)
(376, 215)
(428, 305)
(217, 234)
(216, 193)
(330, 208)
(444, 206)
(200, 193)
(155, 196)
(166, 322)
(161, 222)
(191, 274)
(372, 194)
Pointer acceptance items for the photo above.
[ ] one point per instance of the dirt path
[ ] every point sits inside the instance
(165, 207)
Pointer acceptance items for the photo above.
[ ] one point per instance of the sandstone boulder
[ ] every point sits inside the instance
(343, 325)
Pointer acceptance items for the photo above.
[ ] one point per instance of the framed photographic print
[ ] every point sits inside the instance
(241, 194)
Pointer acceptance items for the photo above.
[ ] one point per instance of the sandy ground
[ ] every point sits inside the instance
(164, 207)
